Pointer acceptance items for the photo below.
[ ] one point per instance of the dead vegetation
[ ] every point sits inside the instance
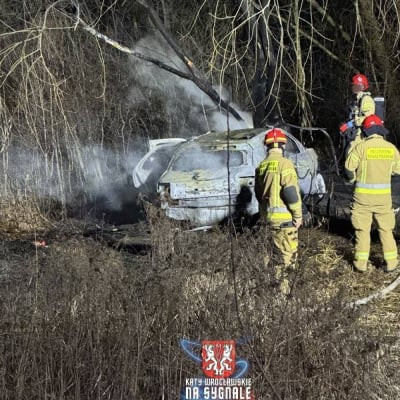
(20, 217)
(84, 320)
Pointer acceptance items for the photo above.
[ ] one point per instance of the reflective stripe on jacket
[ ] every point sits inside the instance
(274, 174)
(372, 163)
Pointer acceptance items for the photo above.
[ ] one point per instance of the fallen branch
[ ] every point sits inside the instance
(376, 295)
(200, 83)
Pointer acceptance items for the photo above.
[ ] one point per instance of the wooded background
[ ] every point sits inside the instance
(63, 87)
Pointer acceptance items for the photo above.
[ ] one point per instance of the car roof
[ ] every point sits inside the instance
(234, 135)
(252, 136)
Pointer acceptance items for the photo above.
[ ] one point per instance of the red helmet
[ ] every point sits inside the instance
(373, 125)
(275, 135)
(372, 121)
(360, 80)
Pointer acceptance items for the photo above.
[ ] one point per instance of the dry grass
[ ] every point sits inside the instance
(21, 217)
(82, 320)
(332, 258)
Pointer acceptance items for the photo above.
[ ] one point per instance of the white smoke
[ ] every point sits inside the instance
(189, 109)
(93, 171)
(96, 171)
(104, 171)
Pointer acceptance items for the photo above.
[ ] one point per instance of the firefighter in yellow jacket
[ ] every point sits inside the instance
(363, 106)
(370, 166)
(277, 191)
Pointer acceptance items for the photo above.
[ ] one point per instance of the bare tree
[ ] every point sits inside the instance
(289, 60)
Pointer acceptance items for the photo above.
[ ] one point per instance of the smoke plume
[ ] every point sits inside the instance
(190, 111)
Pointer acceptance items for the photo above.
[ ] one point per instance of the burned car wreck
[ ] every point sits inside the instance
(196, 184)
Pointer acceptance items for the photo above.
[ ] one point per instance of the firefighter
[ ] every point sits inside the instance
(370, 166)
(278, 194)
(362, 107)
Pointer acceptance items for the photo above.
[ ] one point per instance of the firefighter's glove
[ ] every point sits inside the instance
(297, 222)
(349, 177)
(347, 125)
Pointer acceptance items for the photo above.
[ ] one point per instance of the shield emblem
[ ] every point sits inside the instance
(218, 358)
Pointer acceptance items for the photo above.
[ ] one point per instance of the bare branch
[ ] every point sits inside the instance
(159, 25)
(330, 20)
(200, 83)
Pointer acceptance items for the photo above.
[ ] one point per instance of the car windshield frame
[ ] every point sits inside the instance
(292, 146)
(162, 156)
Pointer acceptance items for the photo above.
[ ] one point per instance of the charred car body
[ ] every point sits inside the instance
(211, 177)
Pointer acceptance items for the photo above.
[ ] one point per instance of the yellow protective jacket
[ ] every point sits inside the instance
(364, 107)
(370, 165)
(273, 175)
